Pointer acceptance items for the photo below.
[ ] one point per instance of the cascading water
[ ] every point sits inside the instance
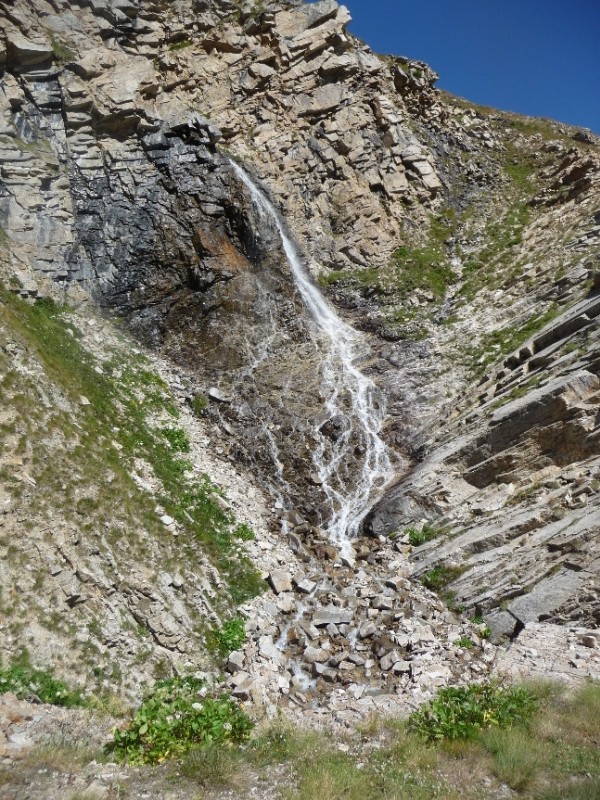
(352, 404)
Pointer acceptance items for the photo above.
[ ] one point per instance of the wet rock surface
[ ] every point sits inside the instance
(365, 638)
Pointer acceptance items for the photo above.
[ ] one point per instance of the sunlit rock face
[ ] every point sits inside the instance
(460, 243)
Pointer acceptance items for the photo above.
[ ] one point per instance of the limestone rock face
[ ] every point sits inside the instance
(462, 242)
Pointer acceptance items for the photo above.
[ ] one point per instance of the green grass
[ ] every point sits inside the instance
(494, 265)
(62, 53)
(541, 740)
(181, 45)
(437, 578)
(500, 343)
(114, 430)
(416, 267)
(84, 467)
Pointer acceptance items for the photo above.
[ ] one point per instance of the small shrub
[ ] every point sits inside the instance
(439, 577)
(460, 712)
(178, 715)
(199, 404)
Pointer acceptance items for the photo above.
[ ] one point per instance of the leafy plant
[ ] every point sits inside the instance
(177, 438)
(176, 716)
(417, 537)
(465, 642)
(244, 532)
(228, 638)
(460, 712)
(25, 681)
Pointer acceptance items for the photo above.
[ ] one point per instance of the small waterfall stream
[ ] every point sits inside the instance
(352, 403)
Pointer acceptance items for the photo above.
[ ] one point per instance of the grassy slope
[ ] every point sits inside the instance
(75, 431)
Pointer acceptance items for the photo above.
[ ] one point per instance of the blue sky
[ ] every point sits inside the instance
(536, 57)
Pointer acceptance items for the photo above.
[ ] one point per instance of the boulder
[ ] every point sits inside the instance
(280, 581)
(23, 52)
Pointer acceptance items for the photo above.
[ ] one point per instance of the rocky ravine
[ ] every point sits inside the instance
(462, 242)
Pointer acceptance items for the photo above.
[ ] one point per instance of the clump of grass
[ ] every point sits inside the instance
(516, 758)
(216, 766)
(279, 743)
(199, 404)
(244, 532)
(418, 536)
(62, 54)
(439, 577)
(181, 45)
(465, 642)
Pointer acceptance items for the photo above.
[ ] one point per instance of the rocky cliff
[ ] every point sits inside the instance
(461, 242)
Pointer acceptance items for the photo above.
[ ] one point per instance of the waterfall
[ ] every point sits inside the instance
(352, 402)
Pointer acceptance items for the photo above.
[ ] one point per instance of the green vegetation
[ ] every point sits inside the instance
(461, 712)
(25, 681)
(504, 341)
(465, 642)
(421, 268)
(113, 429)
(424, 267)
(418, 536)
(244, 532)
(181, 45)
(177, 438)
(228, 638)
(62, 53)
(439, 577)
(540, 740)
(493, 266)
(176, 716)
(199, 404)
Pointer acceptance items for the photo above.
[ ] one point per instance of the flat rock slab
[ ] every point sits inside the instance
(547, 596)
(548, 651)
(332, 616)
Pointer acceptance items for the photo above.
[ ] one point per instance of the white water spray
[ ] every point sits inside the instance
(351, 402)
